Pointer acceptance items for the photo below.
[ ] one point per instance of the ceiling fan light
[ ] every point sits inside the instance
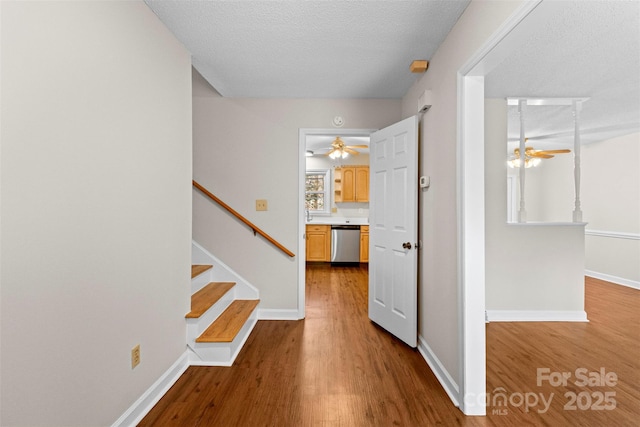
(529, 162)
(514, 162)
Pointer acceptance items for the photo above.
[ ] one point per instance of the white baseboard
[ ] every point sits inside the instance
(613, 279)
(438, 369)
(149, 398)
(277, 314)
(536, 316)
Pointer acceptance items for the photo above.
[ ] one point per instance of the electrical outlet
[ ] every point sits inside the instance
(135, 356)
(261, 205)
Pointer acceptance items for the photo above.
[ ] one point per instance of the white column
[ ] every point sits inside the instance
(522, 213)
(577, 107)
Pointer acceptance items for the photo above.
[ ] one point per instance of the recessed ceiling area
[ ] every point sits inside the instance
(309, 49)
(576, 49)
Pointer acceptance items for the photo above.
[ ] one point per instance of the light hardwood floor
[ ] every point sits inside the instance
(337, 368)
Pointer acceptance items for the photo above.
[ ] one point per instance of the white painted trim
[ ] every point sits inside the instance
(613, 279)
(536, 316)
(499, 46)
(547, 224)
(545, 101)
(613, 234)
(302, 243)
(277, 314)
(438, 369)
(470, 215)
(471, 243)
(149, 398)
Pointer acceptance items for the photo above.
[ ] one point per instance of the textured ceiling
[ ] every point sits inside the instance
(362, 49)
(309, 49)
(579, 49)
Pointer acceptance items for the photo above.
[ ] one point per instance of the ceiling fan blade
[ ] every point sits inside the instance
(357, 146)
(350, 151)
(553, 151)
(331, 151)
(539, 155)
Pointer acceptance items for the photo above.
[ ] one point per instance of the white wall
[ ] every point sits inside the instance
(96, 208)
(528, 267)
(438, 308)
(610, 196)
(611, 203)
(247, 149)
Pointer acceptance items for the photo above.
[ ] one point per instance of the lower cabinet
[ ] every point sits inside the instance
(364, 243)
(318, 243)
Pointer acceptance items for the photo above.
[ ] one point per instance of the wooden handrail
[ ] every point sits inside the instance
(243, 219)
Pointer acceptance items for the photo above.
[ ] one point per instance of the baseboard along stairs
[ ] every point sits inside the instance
(224, 311)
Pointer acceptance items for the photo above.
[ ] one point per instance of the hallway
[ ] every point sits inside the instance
(336, 368)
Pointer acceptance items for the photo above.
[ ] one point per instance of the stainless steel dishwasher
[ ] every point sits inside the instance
(345, 244)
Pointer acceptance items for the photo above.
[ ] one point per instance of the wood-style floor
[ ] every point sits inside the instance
(336, 368)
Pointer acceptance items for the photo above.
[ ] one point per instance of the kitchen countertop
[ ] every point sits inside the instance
(332, 220)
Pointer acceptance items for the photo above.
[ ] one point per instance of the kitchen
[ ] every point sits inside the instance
(337, 199)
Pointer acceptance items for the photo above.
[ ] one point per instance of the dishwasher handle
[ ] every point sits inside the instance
(345, 227)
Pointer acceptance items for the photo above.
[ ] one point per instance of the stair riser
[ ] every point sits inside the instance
(201, 280)
(223, 354)
(195, 327)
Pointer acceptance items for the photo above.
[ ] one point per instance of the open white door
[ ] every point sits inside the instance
(393, 289)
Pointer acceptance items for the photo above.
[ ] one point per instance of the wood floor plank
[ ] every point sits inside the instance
(337, 368)
(228, 324)
(206, 297)
(197, 269)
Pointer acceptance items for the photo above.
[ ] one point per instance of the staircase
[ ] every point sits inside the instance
(224, 310)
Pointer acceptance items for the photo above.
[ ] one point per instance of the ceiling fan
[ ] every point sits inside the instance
(532, 157)
(339, 150)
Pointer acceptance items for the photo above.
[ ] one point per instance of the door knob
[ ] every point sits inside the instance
(406, 245)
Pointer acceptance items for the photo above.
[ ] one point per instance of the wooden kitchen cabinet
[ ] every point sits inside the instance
(364, 243)
(351, 184)
(318, 243)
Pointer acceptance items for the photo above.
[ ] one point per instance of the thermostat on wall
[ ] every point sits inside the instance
(338, 121)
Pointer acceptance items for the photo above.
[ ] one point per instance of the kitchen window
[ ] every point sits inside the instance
(317, 199)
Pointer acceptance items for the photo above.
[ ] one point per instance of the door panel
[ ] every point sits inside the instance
(393, 223)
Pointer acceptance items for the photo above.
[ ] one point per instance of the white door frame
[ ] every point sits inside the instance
(302, 168)
(471, 254)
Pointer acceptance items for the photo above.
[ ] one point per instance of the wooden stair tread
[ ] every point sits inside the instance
(199, 269)
(228, 324)
(206, 297)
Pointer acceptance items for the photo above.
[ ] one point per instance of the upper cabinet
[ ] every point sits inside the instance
(351, 184)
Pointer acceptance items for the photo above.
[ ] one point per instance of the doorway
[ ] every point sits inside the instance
(319, 142)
